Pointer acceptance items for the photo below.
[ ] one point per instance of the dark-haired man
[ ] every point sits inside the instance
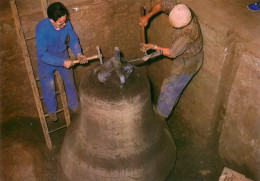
(186, 49)
(53, 36)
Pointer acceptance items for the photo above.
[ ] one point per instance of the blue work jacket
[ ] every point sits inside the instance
(51, 47)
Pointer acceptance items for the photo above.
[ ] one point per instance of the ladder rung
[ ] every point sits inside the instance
(37, 78)
(58, 111)
(30, 14)
(30, 38)
(57, 129)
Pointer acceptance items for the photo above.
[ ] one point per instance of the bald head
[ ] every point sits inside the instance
(180, 16)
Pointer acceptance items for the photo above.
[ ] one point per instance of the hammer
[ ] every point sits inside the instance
(99, 55)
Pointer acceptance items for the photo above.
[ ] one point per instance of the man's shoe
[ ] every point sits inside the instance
(53, 117)
(254, 6)
(158, 114)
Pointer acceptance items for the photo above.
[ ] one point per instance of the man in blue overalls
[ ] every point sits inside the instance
(53, 36)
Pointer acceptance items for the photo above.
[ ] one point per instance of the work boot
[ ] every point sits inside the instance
(53, 117)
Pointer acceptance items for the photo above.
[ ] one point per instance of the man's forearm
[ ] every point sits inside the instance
(156, 8)
(165, 51)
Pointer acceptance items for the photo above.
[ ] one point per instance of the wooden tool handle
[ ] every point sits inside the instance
(75, 61)
(88, 58)
(93, 57)
(142, 26)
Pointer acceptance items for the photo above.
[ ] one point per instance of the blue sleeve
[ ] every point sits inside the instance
(74, 41)
(41, 35)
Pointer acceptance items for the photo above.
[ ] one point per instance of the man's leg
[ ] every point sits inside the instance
(71, 92)
(171, 90)
(48, 88)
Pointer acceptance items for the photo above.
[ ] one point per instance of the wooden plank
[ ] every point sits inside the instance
(31, 76)
(64, 126)
(30, 38)
(58, 111)
(63, 98)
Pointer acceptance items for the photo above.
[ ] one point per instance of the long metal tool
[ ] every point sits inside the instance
(147, 57)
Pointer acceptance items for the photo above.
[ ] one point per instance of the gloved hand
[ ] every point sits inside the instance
(145, 47)
(82, 59)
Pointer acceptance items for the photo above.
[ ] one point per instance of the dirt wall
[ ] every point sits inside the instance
(220, 107)
(16, 94)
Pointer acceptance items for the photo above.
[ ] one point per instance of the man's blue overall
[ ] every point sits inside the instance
(51, 51)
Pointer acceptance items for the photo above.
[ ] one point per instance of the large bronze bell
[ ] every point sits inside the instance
(117, 136)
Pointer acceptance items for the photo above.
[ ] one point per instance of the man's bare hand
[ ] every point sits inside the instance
(143, 20)
(68, 63)
(145, 47)
(82, 59)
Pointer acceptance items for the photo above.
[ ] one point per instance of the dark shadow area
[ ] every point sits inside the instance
(193, 161)
(24, 155)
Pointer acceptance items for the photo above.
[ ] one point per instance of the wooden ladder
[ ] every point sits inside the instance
(34, 80)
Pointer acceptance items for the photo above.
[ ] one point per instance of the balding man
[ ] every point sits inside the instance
(186, 51)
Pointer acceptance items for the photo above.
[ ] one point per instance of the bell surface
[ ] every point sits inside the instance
(117, 136)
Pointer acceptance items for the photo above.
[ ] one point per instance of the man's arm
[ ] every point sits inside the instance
(164, 5)
(74, 40)
(165, 51)
(177, 48)
(156, 8)
(75, 46)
